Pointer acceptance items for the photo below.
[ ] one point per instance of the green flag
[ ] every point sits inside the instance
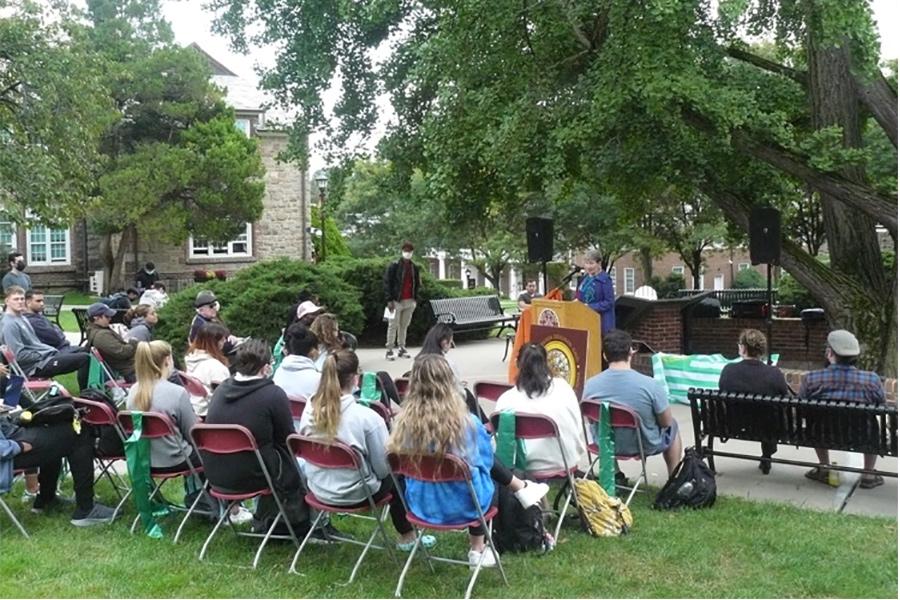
(137, 455)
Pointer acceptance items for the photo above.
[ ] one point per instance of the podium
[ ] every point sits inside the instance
(570, 331)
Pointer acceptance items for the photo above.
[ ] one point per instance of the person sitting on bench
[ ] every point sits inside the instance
(842, 381)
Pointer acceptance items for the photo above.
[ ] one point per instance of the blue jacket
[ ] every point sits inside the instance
(8, 450)
(451, 502)
(597, 292)
(46, 331)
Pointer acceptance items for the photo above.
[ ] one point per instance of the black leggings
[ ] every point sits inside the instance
(503, 476)
(50, 444)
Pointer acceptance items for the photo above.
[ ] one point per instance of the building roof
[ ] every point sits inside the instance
(240, 93)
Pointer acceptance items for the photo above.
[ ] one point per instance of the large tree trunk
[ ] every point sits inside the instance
(646, 260)
(117, 269)
(880, 99)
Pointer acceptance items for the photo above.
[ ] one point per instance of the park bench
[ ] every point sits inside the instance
(53, 306)
(472, 313)
(82, 319)
(845, 426)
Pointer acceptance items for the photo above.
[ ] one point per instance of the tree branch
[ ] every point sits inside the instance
(576, 27)
(880, 99)
(767, 65)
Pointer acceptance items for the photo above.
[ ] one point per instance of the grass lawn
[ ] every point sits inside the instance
(736, 549)
(79, 298)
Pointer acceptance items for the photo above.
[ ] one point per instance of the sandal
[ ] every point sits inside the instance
(867, 483)
(429, 541)
(819, 474)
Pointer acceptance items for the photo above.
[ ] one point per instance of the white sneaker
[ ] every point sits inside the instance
(486, 557)
(532, 493)
(241, 516)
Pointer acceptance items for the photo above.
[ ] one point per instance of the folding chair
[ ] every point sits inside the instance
(335, 455)
(384, 412)
(36, 389)
(446, 469)
(100, 414)
(112, 381)
(194, 386)
(533, 427)
(621, 417)
(402, 385)
(213, 440)
(489, 390)
(11, 514)
(298, 404)
(158, 425)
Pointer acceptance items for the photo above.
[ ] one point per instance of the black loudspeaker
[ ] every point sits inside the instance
(765, 236)
(539, 232)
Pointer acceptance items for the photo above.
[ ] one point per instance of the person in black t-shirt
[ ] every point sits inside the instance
(528, 295)
(753, 376)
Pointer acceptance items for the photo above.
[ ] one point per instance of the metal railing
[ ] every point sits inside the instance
(728, 297)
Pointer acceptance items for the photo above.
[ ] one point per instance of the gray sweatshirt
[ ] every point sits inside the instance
(174, 401)
(19, 335)
(363, 429)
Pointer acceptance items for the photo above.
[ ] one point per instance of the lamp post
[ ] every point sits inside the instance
(322, 183)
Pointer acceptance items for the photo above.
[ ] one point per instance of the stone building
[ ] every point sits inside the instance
(68, 258)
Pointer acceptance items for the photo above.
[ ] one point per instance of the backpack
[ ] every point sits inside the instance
(601, 515)
(518, 529)
(691, 484)
(51, 409)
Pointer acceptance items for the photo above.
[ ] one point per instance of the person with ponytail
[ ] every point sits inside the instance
(435, 422)
(140, 321)
(335, 415)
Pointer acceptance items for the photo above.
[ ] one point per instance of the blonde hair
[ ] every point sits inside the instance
(326, 329)
(434, 420)
(337, 375)
(149, 367)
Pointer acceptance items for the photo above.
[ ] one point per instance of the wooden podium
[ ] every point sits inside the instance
(571, 333)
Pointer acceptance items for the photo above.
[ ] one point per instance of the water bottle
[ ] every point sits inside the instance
(685, 490)
(834, 476)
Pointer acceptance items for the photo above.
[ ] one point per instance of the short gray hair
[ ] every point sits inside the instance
(595, 255)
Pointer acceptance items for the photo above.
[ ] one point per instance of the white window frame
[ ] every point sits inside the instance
(239, 124)
(719, 282)
(47, 244)
(612, 275)
(203, 249)
(678, 269)
(629, 271)
(5, 221)
(743, 267)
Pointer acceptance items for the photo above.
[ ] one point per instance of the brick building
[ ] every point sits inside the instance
(67, 258)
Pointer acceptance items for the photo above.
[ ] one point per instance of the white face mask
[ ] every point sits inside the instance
(406, 255)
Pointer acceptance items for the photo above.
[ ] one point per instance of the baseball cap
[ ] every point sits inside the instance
(204, 298)
(307, 308)
(843, 343)
(98, 309)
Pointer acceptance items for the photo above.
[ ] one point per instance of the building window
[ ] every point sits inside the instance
(240, 246)
(612, 275)
(743, 266)
(243, 125)
(629, 280)
(47, 246)
(7, 233)
(678, 270)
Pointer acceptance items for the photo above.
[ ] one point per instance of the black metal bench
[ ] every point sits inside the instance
(472, 313)
(847, 426)
(53, 306)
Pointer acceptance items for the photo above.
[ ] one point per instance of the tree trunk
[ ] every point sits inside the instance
(646, 260)
(880, 99)
(117, 271)
(109, 260)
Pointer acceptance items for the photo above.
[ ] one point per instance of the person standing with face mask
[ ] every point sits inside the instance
(401, 286)
(16, 274)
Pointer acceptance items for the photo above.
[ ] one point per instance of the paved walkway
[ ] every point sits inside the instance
(481, 360)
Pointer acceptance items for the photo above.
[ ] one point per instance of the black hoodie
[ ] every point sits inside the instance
(263, 408)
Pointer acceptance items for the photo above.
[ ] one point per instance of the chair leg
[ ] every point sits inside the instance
(121, 504)
(13, 518)
(362, 555)
(490, 540)
(215, 530)
(188, 514)
(562, 513)
(409, 560)
(312, 528)
(265, 539)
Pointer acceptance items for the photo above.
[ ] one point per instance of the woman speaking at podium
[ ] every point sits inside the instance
(596, 290)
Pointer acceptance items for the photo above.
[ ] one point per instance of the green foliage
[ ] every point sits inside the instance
(455, 284)
(791, 292)
(335, 244)
(667, 287)
(748, 278)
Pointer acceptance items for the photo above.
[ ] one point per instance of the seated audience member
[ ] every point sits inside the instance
(122, 300)
(140, 321)
(329, 333)
(46, 331)
(434, 423)
(439, 341)
(644, 395)
(528, 295)
(538, 392)
(336, 416)
(842, 381)
(753, 376)
(44, 448)
(35, 357)
(156, 296)
(206, 361)
(309, 301)
(146, 277)
(297, 375)
(116, 352)
(207, 309)
(253, 400)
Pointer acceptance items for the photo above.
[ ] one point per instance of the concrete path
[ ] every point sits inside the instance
(481, 360)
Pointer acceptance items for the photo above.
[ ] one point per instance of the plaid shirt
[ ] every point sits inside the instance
(843, 383)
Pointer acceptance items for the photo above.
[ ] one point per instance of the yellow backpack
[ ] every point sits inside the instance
(601, 514)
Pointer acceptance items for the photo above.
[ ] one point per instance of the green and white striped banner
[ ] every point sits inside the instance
(678, 372)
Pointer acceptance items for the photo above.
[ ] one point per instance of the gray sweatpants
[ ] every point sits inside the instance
(396, 334)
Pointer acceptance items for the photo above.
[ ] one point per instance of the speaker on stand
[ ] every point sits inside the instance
(765, 247)
(539, 235)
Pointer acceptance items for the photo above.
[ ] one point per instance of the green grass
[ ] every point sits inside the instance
(736, 549)
(67, 321)
(79, 298)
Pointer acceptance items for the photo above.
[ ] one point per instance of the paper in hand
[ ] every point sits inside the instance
(388, 314)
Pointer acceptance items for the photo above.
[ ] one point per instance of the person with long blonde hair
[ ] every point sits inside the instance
(334, 414)
(435, 422)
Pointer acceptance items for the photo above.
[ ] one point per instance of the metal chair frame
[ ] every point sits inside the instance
(590, 411)
(101, 414)
(36, 389)
(111, 380)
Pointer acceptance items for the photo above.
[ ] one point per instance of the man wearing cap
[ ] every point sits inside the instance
(401, 287)
(36, 358)
(842, 381)
(116, 352)
(207, 308)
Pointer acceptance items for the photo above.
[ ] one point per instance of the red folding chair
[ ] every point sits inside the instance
(112, 381)
(101, 414)
(489, 390)
(336, 455)
(155, 425)
(35, 388)
(194, 386)
(10, 513)
(446, 469)
(220, 440)
(298, 405)
(383, 411)
(534, 427)
(621, 417)
(402, 385)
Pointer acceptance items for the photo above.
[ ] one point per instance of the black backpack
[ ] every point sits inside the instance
(518, 529)
(692, 484)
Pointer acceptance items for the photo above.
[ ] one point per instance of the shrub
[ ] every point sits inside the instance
(791, 292)
(668, 287)
(748, 278)
(451, 283)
